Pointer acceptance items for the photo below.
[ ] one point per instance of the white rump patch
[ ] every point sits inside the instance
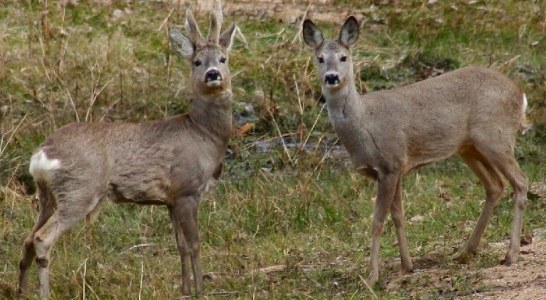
(525, 124)
(41, 166)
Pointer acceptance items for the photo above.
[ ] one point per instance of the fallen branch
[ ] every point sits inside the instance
(270, 269)
(139, 246)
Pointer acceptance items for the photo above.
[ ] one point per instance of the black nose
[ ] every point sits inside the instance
(213, 75)
(331, 79)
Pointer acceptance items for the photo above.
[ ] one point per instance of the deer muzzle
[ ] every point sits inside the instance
(332, 79)
(213, 77)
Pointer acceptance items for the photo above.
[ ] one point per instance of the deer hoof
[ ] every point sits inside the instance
(507, 261)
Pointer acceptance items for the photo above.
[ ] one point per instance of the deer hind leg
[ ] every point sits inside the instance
(519, 183)
(71, 208)
(511, 170)
(491, 179)
(502, 157)
(184, 220)
(385, 195)
(397, 214)
(47, 206)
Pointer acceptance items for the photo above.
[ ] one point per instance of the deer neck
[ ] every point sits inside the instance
(212, 117)
(341, 102)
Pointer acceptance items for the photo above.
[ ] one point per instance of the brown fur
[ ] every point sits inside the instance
(473, 112)
(167, 162)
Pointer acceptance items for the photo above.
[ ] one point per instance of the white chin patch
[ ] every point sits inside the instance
(332, 85)
(214, 83)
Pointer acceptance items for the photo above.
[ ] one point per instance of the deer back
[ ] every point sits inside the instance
(403, 128)
(153, 160)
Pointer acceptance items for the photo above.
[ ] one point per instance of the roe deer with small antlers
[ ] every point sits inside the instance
(473, 112)
(168, 162)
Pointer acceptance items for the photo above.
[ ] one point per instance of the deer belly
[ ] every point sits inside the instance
(139, 187)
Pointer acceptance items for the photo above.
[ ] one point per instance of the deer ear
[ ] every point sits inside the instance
(181, 43)
(349, 32)
(311, 34)
(226, 38)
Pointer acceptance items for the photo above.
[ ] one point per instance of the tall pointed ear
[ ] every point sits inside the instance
(181, 43)
(311, 34)
(349, 32)
(226, 38)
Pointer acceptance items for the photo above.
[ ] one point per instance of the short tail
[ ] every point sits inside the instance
(525, 124)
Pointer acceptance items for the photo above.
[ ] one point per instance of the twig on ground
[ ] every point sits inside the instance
(223, 293)
(4, 146)
(368, 286)
(270, 269)
(83, 279)
(300, 27)
(241, 36)
(313, 127)
(280, 136)
(138, 246)
(94, 98)
(141, 280)
(165, 20)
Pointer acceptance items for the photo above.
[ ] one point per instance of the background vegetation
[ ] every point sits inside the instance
(288, 197)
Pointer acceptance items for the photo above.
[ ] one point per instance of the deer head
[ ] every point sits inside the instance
(333, 58)
(208, 57)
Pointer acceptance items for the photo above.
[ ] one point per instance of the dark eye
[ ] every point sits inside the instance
(320, 60)
(344, 58)
(223, 60)
(196, 63)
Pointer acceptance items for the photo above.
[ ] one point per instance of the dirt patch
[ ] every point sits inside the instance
(524, 280)
(286, 11)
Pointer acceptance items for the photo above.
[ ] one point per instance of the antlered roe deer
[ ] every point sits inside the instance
(166, 162)
(473, 112)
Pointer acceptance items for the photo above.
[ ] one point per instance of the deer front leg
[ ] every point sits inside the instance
(385, 195)
(191, 232)
(397, 214)
(184, 220)
(182, 251)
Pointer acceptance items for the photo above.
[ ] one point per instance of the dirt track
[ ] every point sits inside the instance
(288, 12)
(524, 280)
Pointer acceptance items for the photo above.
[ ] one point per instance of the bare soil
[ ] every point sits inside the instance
(285, 11)
(525, 279)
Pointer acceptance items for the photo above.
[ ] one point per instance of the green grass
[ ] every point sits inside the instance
(310, 214)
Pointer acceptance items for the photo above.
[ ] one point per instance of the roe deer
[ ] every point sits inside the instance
(474, 112)
(165, 162)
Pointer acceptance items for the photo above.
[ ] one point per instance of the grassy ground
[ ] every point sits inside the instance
(303, 213)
